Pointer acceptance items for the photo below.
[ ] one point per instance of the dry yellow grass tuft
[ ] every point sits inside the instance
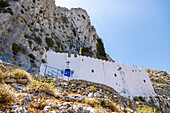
(1, 78)
(91, 101)
(99, 109)
(31, 110)
(93, 88)
(35, 85)
(21, 74)
(145, 109)
(112, 105)
(6, 94)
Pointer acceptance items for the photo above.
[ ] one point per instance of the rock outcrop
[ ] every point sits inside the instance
(160, 82)
(29, 28)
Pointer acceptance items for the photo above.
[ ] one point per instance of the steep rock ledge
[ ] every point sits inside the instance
(29, 28)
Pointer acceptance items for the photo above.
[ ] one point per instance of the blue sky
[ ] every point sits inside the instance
(135, 32)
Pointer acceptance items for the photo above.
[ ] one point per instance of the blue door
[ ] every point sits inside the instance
(67, 72)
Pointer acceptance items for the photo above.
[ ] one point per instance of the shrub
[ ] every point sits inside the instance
(64, 19)
(58, 43)
(142, 99)
(15, 48)
(91, 101)
(87, 51)
(4, 73)
(38, 40)
(136, 99)
(21, 74)
(100, 50)
(3, 4)
(93, 88)
(49, 42)
(6, 94)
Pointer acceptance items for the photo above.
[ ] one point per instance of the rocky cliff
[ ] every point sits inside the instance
(29, 28)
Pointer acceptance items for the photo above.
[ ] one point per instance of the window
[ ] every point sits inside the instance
(119, 69)
(92, 70)
(115, 75)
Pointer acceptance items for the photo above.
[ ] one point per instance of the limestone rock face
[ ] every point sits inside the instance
(29, 28)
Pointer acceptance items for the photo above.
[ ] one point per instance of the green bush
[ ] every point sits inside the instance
(100, 50)
(49, 42)
(58, 43)
(38, 40)
(87, 51)
(64, 19)
(15, 48)
(3, 4)
(136, 99)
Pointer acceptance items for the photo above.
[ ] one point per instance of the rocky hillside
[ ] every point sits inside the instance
(22, 92)
(161, 82)
(29, 28)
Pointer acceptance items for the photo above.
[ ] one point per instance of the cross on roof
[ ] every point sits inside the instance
(68, 62)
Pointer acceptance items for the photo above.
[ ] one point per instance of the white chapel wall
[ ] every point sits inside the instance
(127, 80)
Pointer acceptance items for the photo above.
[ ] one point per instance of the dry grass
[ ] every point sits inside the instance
(112, 105)
(35, 85)
(145, 109)
(3, 68)
(6, 94)
(31, 110)
(91, 101)
(21, 74)
(1, 78)
(93, 88)
(99, 109)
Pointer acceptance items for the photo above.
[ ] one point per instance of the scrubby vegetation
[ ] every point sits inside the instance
(6, 94)
(87, 51)
(92, 101)
(101, 54)
(38, 40)
(145, 109)
(112, 105)
(35, 85)
(1, 77)
(49, 42)
(99, 109)
(64, 19)
(93, 88)
(3, 3)
(21, 74)
(15, 48)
